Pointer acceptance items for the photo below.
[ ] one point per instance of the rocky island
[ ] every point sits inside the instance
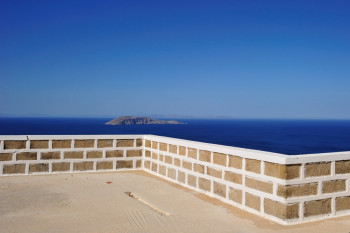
(133, 120)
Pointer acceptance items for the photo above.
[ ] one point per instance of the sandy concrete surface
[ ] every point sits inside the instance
(97, 202)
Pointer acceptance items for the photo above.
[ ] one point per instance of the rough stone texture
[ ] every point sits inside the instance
(312, 208)
(252, 201)
(342, 167)
(114, 153)
(139, 142)
(124, 164)
(59, 167)
(172, 173)
(161, 157)
(38, 167)
(332, 186)
(14, 168)
(103, 143)
(134, 153)
(168, 159)
(204, 184)
(39, 144)
(182, 150)
(163, 146)
(286, 172)
(26, 156)
(177, 162)
(235, 161)
(6, 156)
(155, 145)
(154, 167)
(14, 144)
(148, 153)
(181, 177)
(191, 180)
(317, 169)
(342, 203)
(51, 155)
(219, 189)
(83, 166)
(252, 165)
(219, 159)
(192, 153)
(235, 195)
(162, 170)
(187, 165)
(155, 156)
(125, 143)
(94, 154)
(61, 144)
(73, 154)
(147, 164)
(214, 172)
(297, 190)
(173, 149)
(281, 210)
(205, 156)
(138, 163)
(104, 165)
(84, 143)
(198, 168)
(258, 185)
(148, 143)
(233, 177)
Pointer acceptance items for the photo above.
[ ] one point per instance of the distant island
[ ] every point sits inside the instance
(132, 120)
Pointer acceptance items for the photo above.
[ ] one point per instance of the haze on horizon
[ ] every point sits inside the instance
(230, 59)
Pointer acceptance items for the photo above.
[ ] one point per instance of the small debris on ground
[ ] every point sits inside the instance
(109, 182)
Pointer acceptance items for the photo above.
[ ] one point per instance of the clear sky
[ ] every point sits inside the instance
(240, 59)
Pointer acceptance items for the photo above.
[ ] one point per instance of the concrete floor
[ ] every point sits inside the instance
(96, 202)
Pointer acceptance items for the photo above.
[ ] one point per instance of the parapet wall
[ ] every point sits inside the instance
(284, 189)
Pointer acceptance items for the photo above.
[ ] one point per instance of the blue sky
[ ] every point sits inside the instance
(239, 59)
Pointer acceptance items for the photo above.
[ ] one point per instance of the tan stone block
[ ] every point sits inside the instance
(177, 162)
(139, 142)
(318, 207)
(14, 144)
(235, 161)
(6, 156)
(163, 146)
(182, 150)
(114, 153)
(73, 154)
(147, 164)
(61, 144)
(148, 143)
(198, 168)
(154, 145)
(287, 191)
(84, 143)
(342, 203)
(317, 169)
(280, 210)
(148, 153)
(125, 164)
(38, 167)
(161, 157)
(104, 165)
(39, 144)
(138, 163)
(286, 172)
(258, 185)
(205, 156)
(214, 172)
(219, 159)
(125, 142)
(342, 167)
(204, 184)
(14, 168)
(26, 156)
(332, 186)
(59, 167)
(133, 153)
(83, 166)
(235, 195)
(154, 156)
(172, 173)
(168, 159)
(103, 143)
(192, 180)
(192, 153)
(154, 167)
(94, 154)
(173, 149)
(181, 177)
(187, 165)
(252, 201)
(51, 155)
(162, 170)
(253, 165)
(233, 177)
(219, 189)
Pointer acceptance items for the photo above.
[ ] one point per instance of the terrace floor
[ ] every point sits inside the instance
(96, 202)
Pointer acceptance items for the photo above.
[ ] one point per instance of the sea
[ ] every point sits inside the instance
(291, 137)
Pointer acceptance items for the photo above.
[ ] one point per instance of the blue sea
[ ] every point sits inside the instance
(282, 136)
